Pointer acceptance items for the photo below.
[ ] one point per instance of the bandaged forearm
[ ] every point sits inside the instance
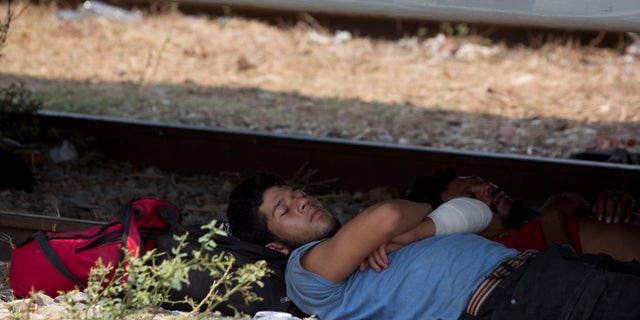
(461, 215)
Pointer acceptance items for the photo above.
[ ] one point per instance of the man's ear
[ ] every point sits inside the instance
(277, 246)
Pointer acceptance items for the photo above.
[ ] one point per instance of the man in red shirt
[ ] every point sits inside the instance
(603, 227)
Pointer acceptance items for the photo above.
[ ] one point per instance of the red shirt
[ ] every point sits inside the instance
(529, 236)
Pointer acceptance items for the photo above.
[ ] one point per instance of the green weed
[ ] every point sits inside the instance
(140, 285)
(19, 117)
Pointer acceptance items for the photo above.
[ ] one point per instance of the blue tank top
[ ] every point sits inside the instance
(428, 279)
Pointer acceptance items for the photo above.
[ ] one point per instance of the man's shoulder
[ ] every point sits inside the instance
(301, 250)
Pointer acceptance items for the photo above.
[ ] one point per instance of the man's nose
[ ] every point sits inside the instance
(483, 190)
(302, 204)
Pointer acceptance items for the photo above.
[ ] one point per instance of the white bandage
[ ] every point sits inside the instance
(461, 215)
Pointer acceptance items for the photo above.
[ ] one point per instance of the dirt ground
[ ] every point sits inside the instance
(452, 90)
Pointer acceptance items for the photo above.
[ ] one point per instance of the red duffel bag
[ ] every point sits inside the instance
(54, 262)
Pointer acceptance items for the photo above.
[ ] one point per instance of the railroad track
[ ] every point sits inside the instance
(354, 165)
(598, 15)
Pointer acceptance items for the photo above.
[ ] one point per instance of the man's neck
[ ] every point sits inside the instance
(496, 228)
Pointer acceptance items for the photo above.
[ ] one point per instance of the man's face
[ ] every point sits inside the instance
(476, 188)
(295, 217)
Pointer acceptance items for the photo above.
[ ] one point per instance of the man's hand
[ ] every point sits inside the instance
(614, 207)
(378, 259)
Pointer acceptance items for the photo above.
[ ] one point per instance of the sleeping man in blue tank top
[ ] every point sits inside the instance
(401, 260)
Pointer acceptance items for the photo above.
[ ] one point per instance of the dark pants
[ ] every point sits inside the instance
(558, 284)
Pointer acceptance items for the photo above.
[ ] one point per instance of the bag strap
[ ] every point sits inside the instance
(124, 216)
(54, 259)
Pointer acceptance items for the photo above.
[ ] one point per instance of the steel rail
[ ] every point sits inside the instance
(594, 15)
(357, 165)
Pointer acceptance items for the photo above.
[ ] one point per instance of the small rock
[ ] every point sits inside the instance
(507, 132)
(42, 299)
(65, 152)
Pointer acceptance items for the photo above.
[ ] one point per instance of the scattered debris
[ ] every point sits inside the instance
(94, 9)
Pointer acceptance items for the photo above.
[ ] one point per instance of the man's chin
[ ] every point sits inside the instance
(332, 228)
(502, 204)
(328, 231)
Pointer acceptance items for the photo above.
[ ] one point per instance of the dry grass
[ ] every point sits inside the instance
(241, 73)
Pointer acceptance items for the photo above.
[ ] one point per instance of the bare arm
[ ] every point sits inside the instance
(378, 259)
(554, 214)
(337, 257)
(457, 215)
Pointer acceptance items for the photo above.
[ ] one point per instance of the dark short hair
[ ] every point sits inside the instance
(242, 211)
(429, 188)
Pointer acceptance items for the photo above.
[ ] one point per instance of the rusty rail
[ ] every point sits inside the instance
(355, 164)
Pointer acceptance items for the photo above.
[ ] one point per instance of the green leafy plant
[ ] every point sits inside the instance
(19, 117)
(140, 285)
